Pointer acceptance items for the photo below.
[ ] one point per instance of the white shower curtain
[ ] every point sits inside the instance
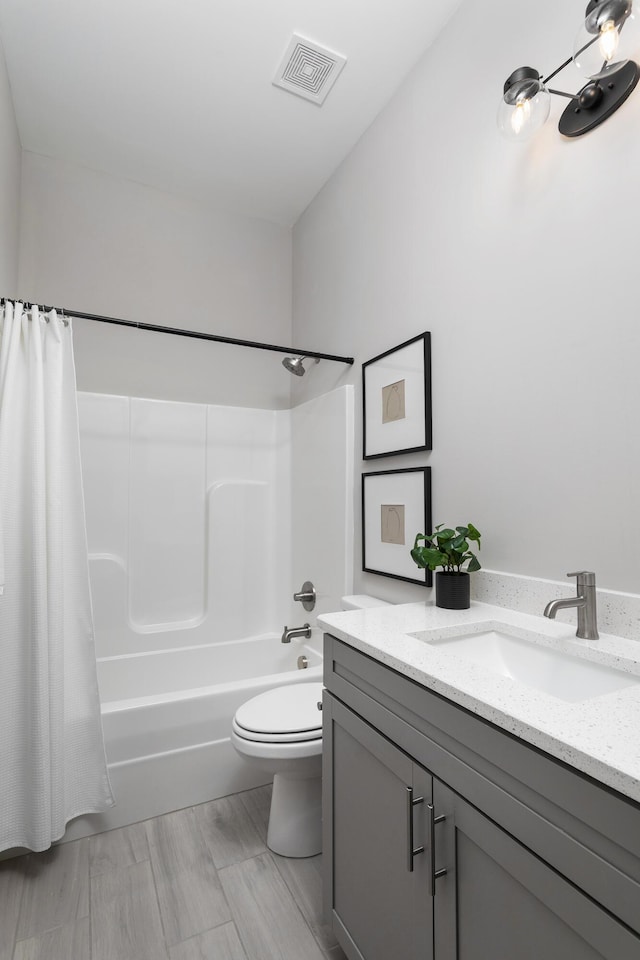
(52, 760)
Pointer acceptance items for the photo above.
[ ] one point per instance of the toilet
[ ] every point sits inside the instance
(280, 731)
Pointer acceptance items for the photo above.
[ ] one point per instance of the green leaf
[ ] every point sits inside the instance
(428, 557)
(463, 530)
(460, 544)
(436, 557)
(473, 533)
(474, 564)
(416, 556)
(446, 534)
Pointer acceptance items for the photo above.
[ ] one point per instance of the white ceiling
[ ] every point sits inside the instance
(178, 94)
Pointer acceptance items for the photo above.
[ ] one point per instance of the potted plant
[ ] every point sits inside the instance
(449, 549)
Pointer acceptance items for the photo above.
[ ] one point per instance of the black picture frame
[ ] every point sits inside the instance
(410, 488)
(408, 364)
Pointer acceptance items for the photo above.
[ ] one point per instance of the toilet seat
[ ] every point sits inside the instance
(283, 715)
(302, 737)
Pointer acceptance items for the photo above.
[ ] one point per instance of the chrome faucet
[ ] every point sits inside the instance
(288, 634)
(585, 601)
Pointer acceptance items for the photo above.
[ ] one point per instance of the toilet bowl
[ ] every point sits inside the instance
(280, 731)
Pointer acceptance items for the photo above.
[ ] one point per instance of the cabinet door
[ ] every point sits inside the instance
(498, 900)
(377, 890)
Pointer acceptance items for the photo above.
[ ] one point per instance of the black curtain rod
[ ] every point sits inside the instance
(193, 334)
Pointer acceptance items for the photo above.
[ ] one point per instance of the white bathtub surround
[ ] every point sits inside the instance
(189, 516)
(598, 736)
(179, 496)
(53, 761)
(618, 613)
(194, 513)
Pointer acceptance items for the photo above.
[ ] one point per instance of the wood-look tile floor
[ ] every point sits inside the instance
(197, 884)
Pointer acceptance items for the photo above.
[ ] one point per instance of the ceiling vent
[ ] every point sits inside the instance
(308, 70)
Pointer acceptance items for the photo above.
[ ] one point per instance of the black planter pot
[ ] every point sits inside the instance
(453, 590)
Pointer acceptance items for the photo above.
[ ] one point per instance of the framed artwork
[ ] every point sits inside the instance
(396, 396)
(396, 505)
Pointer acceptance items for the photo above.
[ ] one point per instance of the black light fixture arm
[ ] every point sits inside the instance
(561, 93)
(557, 71)
(567, 62)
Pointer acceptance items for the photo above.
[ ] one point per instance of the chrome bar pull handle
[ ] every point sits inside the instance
(433, 873)
(411, 851)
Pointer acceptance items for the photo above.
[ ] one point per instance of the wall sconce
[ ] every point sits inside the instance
(601, 52)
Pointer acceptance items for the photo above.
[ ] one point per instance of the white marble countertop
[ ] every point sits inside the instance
(599, 736)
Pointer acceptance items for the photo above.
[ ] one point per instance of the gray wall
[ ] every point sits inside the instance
(9, 187)
(108, 246)
(522, 261)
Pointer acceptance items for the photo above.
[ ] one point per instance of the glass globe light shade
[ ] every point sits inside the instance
(609, 38)
(524, 108)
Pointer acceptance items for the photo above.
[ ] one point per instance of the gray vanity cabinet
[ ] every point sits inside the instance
(379, 818)
(446, 837)
(499, 901)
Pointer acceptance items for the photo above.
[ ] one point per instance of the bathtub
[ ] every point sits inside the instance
(167, 717)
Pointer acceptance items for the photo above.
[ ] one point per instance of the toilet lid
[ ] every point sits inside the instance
(283, 711)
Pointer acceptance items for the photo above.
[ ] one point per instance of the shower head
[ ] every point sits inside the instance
(295, 365)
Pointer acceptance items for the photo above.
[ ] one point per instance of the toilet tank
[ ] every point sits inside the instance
(359, 601)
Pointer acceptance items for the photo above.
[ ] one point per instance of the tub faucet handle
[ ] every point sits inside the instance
(289, 633)
(306, 595)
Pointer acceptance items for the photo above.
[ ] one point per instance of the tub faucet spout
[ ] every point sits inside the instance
(584, 602)
(289, 633)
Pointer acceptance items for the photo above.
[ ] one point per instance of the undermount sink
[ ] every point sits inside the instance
(551, 671)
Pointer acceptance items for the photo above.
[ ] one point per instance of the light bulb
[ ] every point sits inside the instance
(520, 116)
(524, 106)
(608, 42)
(609, 38)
